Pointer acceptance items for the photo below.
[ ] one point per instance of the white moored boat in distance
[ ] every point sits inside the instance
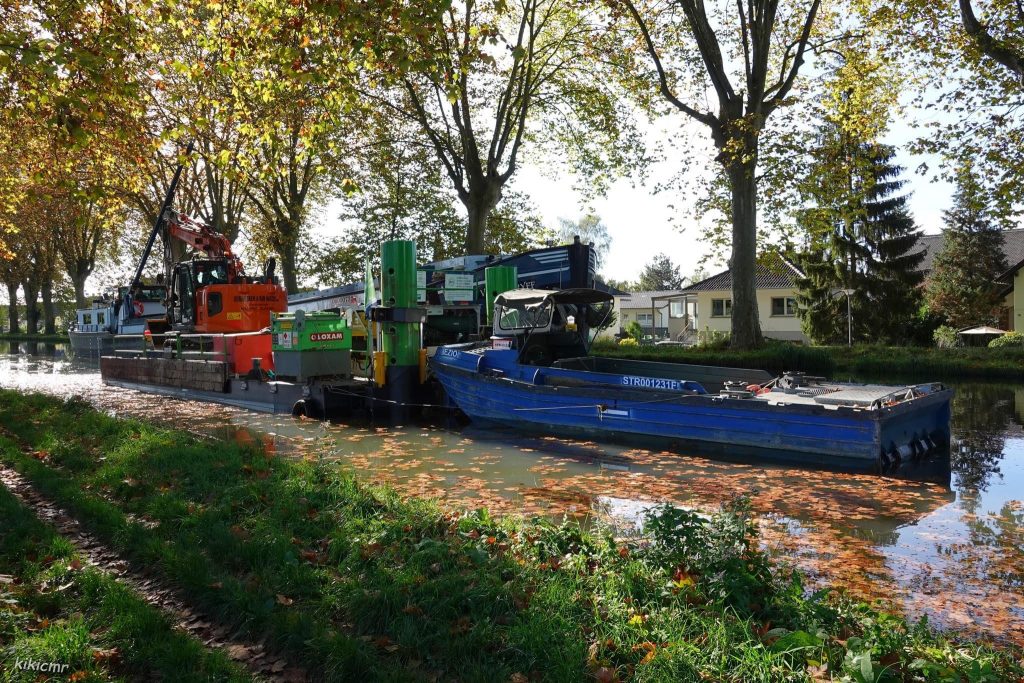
(92, 333)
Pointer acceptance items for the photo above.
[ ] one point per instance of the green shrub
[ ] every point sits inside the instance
(634, 331)
(945, 337)
(1010, 340)
(712, 340)
(628, 341)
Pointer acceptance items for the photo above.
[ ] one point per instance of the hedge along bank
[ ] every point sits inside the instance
(1006, 363)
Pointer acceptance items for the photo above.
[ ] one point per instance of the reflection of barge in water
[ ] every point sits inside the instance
(534, 373)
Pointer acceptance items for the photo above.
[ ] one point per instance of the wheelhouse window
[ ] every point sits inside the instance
(721, 308)
(524, 317)
(87, 318)
(100, 319)
(783, 306)
(154, 294)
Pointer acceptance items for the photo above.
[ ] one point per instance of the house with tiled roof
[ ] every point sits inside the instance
(1011, 282)
(707, 305)
(1013, 247)
(775, 282)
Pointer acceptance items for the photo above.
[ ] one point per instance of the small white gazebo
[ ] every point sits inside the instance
(979, 336)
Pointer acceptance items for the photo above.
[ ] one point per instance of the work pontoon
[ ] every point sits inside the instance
(535, 372)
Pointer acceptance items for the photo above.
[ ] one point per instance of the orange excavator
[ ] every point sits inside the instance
(211, 293)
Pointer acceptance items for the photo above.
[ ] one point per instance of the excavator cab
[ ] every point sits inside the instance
(181, 307)
(204, 298)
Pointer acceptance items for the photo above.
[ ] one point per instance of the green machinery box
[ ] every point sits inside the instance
(315, 344)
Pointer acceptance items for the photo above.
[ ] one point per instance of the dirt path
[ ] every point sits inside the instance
(254, 656)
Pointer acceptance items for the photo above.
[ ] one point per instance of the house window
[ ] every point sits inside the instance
(645, 319)
(677, 309)
(783, 306)
(721, 308)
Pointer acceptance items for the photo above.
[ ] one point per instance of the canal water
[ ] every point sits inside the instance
(944, 539)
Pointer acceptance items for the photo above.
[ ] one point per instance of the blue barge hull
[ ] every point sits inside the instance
(490, 384)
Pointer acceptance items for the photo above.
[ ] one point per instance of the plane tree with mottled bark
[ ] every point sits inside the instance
(83, 226)
(191, 104)
(294, 70)
(729, 69)
(280, 190)
(512, 75)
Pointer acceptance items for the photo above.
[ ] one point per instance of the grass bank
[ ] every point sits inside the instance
(54, 609)
(359, 584)
(45, 338)
(901, 361)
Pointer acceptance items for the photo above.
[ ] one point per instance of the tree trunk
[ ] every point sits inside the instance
(78, 279)
(477, 228)
(31, 289)
(49, 316)
(14, 326)
(746, 325)
(479, 204)
(289, 276)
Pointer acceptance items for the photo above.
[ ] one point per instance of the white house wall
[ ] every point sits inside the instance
(774, 327)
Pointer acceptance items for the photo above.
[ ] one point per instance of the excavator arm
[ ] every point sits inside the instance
(202, 237)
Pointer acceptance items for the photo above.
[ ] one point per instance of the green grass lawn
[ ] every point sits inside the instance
(53, 608)
(358, 584)
(836, 361)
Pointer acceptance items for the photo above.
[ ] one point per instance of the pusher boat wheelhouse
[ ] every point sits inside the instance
(534, 372)
(92, 334)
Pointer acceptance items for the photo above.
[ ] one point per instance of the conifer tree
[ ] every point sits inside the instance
(894, 254)
(860, 238)
(962, 286)
(660, 274)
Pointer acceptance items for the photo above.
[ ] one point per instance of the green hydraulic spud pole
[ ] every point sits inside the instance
(498, 279)
(401, 340)
(399, 318)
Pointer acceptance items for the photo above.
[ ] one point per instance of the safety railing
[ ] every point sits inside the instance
(176, 346)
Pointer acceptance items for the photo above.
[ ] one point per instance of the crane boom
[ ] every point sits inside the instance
(161, 219)
(202, 237)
